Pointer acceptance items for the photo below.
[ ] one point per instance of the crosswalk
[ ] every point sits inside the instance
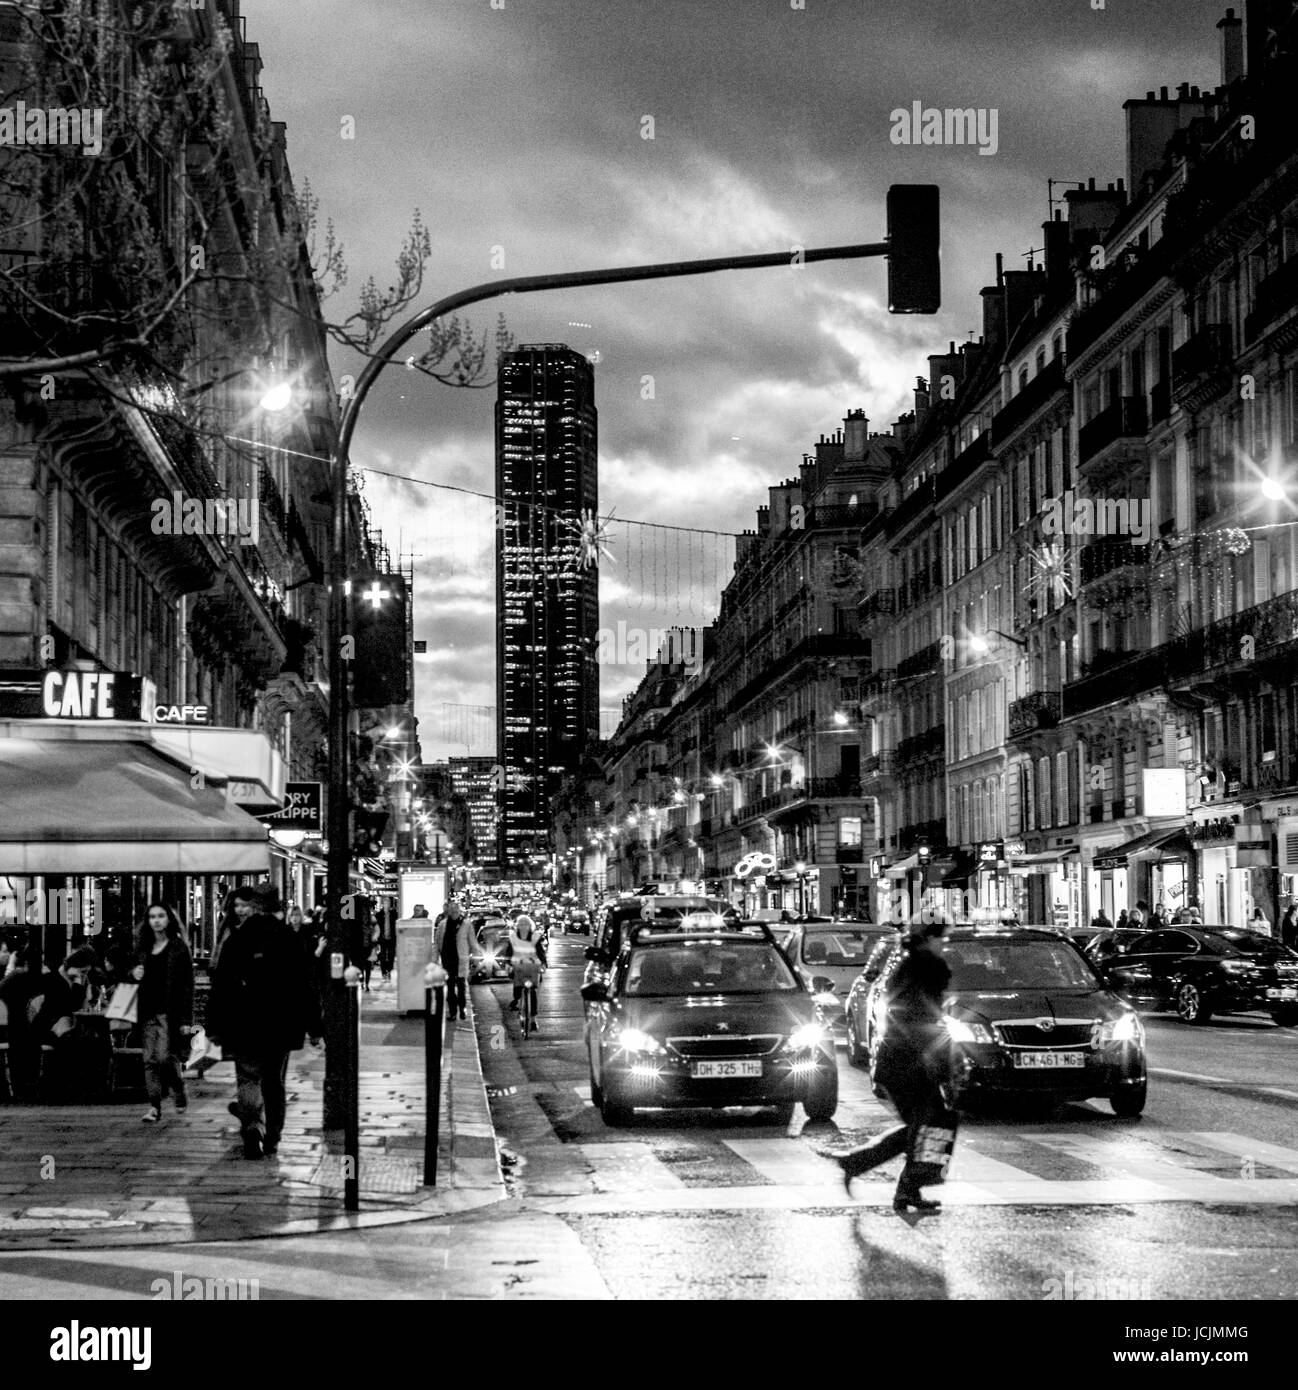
(1077, 1165)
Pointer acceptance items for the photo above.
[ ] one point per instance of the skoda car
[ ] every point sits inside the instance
(1027, 1015)
(706, 1018)
(1201, 971)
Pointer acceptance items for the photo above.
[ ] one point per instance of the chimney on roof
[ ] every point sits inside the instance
(1231, 29)
(1054, 237)
(856, 433)
(923, 400)
(1152, 123)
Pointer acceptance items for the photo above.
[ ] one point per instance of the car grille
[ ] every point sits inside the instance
(740, 1045)
(1075, 1033)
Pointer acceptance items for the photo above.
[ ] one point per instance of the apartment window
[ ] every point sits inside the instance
(1023, 378)
(1063, 815)
(1041, 360)
(849, 832)
(978, 807)
(1044, 806)
(998, 522)
(963, 834)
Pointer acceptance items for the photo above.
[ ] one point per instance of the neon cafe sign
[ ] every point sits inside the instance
(96, 696)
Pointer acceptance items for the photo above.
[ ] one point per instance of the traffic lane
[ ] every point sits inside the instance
(1158, 1252)
(1249, 1049)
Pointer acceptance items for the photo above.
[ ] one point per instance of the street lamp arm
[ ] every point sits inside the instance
(524, 284)
(1018, 641)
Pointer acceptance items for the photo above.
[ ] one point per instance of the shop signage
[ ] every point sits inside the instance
(90, 697)
(1012, 847)
(1164, 789)
(301, 809)
(991, 852)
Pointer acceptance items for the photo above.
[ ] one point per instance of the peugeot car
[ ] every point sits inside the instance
(706, 1018)
(829, 956)
(1201, 971)
(1027, 1015)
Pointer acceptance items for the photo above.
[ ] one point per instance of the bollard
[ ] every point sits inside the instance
(435, 978)
(352, 1098)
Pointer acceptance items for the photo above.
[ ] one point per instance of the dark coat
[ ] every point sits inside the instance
(177, 991)
(263, 999)
(914, 1051)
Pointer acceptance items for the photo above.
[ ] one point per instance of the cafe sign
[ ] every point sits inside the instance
(73, 695)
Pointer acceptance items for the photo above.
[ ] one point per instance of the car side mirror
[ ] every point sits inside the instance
(594, 993)
(822, 984)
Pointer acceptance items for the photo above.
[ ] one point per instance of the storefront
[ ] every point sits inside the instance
(1157, 868)
(1047, 887)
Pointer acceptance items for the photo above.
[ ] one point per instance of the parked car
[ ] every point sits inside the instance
(706, 1018)
(829, 956)
(578, 922)
(854, 1009)
(1199, 971)
(1104, 943)
(1027, 1015)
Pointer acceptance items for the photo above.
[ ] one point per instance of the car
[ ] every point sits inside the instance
(854, 1008)
(1103, 943)
(706, 1018)
(1199, 971)
(1027, 1016)
(829, 956)
(578, 922)
(488, 960)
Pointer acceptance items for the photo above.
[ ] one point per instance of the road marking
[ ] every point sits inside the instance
(628, 1168)
(1272, 1155)
(1225, 1081)
(1133, 1160)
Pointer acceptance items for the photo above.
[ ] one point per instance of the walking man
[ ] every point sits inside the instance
(913, 1059)
(453, 945)
(262, 1007)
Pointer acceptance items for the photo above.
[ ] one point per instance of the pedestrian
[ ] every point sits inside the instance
(262, 1008)
(19, 989)
(1101, 920)
(1158, 918)
(1289, 927)
(1136, 918)
(1124, 920)
(453, 946)
(913, 1061)
(164, 1006)
(46, 1004)
(527, 954)
(1259, 923)
(420, 911)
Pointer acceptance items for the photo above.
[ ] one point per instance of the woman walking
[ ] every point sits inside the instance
(165, 1006)
(913, 1060)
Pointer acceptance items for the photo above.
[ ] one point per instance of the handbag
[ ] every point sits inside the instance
(124, 1004)
(201, 1048)
(931, 1147)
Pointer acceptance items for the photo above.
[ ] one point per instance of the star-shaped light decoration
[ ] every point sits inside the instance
(592, 533)
(1050, 572)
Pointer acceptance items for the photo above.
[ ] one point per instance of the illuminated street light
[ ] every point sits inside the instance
(277, 398)
(1273, 490)
(979, 644)
(840, 719)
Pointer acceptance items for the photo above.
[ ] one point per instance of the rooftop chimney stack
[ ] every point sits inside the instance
(1231, 29)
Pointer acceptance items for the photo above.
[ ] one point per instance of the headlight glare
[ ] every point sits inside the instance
(803, 1039)
(960, 1031)
(1124, 1028)
(633, 1040)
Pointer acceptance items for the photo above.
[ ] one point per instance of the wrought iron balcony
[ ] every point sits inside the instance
(876, 685)
(1039, 710)
(1275, 295)
(930, 744)
(881, 603)
(1104, 556)
(876, 765)
(1201, 364)
(1126, 418)
(922, 662)
(1038, 393)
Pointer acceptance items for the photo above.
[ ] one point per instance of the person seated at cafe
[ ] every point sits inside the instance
(47, 1004)
(17, 990)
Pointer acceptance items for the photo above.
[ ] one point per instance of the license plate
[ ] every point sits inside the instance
(1288, 992)
(1049, 1059)
(704, 1071)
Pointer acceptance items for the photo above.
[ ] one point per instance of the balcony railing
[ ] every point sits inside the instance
(1205, 356)
(1104, 556)
(930, 744)
(839, 517)
(964, 465)
(881, 603)
(922, 662)
(876, 765)
(876, 685)
(1039, 710)
(1126, 418)
(1018, 410)
(1275, 295)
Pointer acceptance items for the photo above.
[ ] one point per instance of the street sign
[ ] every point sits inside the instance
(303, 803)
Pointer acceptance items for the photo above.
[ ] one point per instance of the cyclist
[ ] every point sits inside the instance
(527, 954)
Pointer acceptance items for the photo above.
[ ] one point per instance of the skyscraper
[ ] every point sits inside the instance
(547, 585)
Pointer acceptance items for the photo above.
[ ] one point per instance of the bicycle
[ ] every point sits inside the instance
(530, 980)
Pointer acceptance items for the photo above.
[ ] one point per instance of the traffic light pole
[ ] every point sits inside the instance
(339, 1085)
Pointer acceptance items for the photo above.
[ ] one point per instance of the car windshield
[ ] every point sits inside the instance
(1009, 965)
(708, 967)
(837, 947)
(1233, 942)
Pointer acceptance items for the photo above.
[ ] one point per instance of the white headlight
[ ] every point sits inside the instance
(1126, 1028)
(803, 1039)
(960, 1031)
(633, 1040)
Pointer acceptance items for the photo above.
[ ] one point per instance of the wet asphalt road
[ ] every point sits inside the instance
(1199, 1199)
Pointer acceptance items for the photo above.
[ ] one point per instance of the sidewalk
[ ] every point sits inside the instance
(97, 1176)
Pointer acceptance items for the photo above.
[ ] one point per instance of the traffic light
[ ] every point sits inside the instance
(380, 657)
(914, 249)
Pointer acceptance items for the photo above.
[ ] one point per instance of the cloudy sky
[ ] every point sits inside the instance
(517, 128)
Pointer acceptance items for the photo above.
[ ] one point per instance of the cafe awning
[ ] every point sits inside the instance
(1173, 843)
(903, 866)
(78, 805)
(1044, 861)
